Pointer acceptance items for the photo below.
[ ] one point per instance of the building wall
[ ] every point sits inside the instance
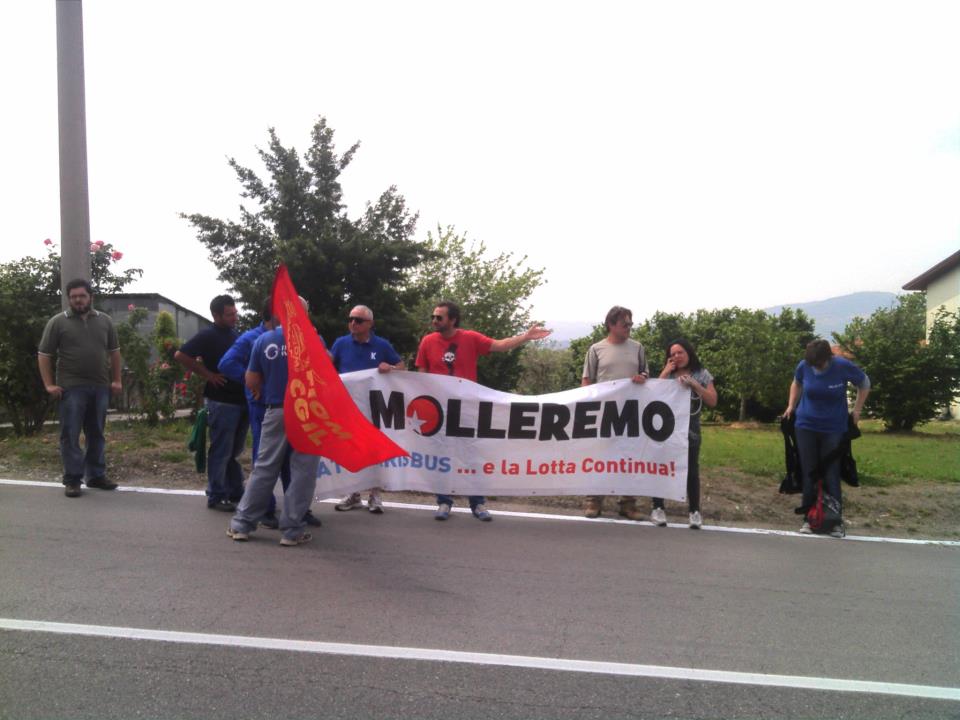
(944, 292)
(187, 322)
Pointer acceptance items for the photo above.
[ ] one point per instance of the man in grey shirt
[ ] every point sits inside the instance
(85, 344)
(616, 357)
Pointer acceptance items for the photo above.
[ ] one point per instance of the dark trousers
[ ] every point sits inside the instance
(693, 474)
(812, 446)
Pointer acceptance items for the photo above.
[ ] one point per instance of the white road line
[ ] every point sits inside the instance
(547, 516)
(471, 658)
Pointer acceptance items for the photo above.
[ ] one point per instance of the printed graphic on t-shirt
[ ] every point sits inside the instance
(450, 357)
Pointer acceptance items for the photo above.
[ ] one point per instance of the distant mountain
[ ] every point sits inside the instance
(566, 330)
(831, 315)
(834, 314)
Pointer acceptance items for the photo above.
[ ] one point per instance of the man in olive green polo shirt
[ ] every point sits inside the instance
(85, 344)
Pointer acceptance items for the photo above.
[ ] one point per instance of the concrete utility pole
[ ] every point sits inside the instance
(74, 200)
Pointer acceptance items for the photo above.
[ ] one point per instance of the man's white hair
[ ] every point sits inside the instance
(365, 310)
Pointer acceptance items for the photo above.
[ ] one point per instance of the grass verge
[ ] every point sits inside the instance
(910, 482)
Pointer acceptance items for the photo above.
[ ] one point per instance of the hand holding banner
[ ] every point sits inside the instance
(319, 414)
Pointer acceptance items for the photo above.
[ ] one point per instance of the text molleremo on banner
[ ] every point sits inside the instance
(615, 438)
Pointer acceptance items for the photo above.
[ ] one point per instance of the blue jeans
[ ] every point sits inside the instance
(474, 500)
(228, 426)
(83, 406)
(811, 446)
(257, 412)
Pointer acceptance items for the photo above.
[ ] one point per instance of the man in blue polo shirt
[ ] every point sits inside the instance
(363, 350)
(266, 377)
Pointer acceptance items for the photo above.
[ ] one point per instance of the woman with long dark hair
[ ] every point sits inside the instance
(683, 365)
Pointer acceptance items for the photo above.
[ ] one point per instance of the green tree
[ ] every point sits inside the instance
(913, 374)
(746, 361)
(154, 380)
(493, 294)
(298, 218)
(29, 296)
(752, 356)
(544, 368)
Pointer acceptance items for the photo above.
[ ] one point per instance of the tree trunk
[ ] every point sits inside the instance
(743, 408)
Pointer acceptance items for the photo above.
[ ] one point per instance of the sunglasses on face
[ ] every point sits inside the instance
(358, 320)
(438, 318)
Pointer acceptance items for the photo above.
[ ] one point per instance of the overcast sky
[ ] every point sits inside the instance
(660, 155)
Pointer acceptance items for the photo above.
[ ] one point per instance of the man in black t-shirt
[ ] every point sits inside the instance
(226, 405)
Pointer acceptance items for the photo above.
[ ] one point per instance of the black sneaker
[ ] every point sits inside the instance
(101, 484)
(223, 505)
(310, 519)
(270, 521)
(72, 490)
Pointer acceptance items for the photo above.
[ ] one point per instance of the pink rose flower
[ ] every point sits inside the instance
(116, 254)
(93, 248)
(99, 243)
(48, 241)
(131, 307)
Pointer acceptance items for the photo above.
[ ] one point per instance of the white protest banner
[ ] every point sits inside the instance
(615, 438)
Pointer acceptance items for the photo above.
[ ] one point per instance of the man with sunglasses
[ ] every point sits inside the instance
(616, 357)
(362, 349)
(452, 351)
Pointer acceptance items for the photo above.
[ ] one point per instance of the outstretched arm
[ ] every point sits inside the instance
(534, 332)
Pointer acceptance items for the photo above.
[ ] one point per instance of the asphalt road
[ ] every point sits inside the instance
(654, 600)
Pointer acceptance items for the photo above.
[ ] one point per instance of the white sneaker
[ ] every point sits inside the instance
(805, 528)
(350, 502)
(375, 504)
(839, 531)
(659, 517)
(695, 520)
(480, 512)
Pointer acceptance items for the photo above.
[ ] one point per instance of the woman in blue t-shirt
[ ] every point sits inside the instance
(818, 395)
(683, 365)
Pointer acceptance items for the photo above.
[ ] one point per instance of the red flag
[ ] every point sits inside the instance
(319, 415)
